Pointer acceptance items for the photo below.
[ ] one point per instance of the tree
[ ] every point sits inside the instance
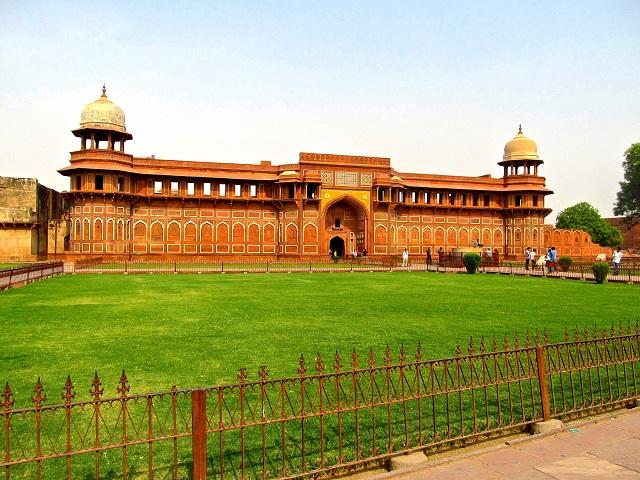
(584, 216)
(628, 198)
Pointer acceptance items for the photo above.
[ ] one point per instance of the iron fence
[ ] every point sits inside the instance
(27, 274)
(328, 419)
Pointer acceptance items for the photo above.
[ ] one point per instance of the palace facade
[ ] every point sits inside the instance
(121, 204)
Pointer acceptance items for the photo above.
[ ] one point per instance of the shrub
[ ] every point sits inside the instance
(568, 261)
(471, 262)
(600, 271)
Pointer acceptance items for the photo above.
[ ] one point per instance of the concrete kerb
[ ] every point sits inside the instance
(478, 449)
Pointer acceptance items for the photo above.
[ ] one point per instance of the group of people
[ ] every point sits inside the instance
(549, 260)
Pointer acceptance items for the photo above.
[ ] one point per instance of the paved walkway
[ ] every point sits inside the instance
(607, 447)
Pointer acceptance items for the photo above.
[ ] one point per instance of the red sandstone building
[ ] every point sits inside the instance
(121, 204)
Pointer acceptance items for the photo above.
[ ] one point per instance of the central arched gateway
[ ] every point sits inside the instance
(345, 221)
(336, 244)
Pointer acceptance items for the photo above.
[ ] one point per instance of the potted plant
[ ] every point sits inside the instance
(564, 263)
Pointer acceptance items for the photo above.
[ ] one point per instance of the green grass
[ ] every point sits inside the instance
(9, 266)
(195, 330)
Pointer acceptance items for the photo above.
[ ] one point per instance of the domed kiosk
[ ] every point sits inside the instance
(102, 121)
(521, 151)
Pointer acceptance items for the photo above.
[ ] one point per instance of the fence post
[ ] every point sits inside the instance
(199, 433)
(542, 381)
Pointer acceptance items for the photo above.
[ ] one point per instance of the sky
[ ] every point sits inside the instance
(439, 87)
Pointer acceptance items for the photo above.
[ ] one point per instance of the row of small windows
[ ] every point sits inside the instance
(173, 187)
(449, 198)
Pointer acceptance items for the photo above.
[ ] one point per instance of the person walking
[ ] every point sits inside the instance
(405, 258)
(429, 260)
(527, 258)
(617, 259)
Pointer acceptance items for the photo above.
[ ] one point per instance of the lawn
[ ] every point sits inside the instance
(194, 330)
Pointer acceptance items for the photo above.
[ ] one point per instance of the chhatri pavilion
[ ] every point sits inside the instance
(121, 204)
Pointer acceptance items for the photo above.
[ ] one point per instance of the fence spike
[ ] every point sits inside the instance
(354, 360)
(628, 327)
(527, 339)
(612, 331)
(39, 395)
(516, 342)
(566, 335)
(302, 369)
(387, 356)
(96, 387)
(594, 335)
(604, 333)
(537, 338)
(262, 373)
(403, 356)
(483, 345)
(586, 334)
(620, 329)
(471, 348)
(7, 401)
(242, 375)
(123, 387)
(337, 362)
(319, 364)
(69, 392)
(458, 352)
(547, 339)
(495, 343)
(372, 359)
(419, 352)
(505, 343)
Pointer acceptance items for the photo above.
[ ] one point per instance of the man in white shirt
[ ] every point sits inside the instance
(617, 258)
(405, 258)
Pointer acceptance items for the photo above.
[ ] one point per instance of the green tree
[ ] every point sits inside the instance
(628, 198)
(584, 216)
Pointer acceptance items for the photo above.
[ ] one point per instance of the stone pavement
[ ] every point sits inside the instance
(605, 447)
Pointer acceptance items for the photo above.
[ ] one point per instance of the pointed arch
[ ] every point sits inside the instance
(173, 232)
(190, 232)
(497, 238)
(380, 234)
(157, 231)
(310, 233)
(402, 235)
(77, 234)
(291, 233)
(222, 233)
(486, 236)
(238, 232)
(140, 231)
(86, 229)
(206, 232)
(427, 235)
(110, 229)
(414, 235)
(269, 232)
(97, 229)
(452, 237)
(464, 237)
(253, 233)
(439, 236)
(120, 230)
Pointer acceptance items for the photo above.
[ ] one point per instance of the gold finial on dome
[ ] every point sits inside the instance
(103, 114)
(520, 148)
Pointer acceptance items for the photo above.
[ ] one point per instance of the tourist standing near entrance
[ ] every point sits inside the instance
(617, 258)
(405, 258)
(428, 260)
(532, 257)
(527, 258)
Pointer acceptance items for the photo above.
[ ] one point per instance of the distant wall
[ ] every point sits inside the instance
(573, 243)
(27, 211)
(630, 235)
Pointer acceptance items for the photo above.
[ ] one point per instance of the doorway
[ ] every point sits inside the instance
(337, 245)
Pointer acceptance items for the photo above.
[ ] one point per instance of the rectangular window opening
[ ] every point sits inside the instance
(174, 188)
(120, 185)
(237, 190)
(206, 188)
(79, 182)
(157, 186)
(99, 182)
(487, 200)
(222, 189)
(191, 188)
(253, 190)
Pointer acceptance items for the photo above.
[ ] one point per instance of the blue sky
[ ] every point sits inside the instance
(439, 88)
